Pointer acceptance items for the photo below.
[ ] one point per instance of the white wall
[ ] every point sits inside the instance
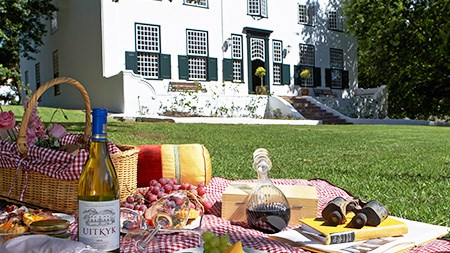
(93, 36)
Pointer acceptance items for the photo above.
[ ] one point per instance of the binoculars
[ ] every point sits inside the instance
(372, 213)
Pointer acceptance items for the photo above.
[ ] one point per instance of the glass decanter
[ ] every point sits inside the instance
(268, 208)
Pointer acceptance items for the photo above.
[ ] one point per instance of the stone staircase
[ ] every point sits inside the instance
(311, 111)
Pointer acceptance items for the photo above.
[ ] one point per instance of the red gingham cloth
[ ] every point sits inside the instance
(251, 238)
(51, 162)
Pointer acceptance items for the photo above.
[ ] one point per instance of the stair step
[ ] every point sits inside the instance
(312, 111)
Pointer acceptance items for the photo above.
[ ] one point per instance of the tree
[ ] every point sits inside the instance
(22, 26)
(404, 44)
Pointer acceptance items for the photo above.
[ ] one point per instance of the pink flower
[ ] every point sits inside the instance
(57, 131)
(7, 120)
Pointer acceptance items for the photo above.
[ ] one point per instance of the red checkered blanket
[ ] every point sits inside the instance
(51, 162)
(251, 238)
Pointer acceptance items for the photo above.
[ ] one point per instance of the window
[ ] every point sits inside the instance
(236, 55)
(148, 50)
(305, 14)
(277, 61)
(336, 58)
(26, 80)
(257, 49)
(307, 63)
(197, 51)
(199, 3)
(56, 88)
(54, 22)
(37, 71)
(306, 54)
(257, 8)
(335, 21)
(336, 65)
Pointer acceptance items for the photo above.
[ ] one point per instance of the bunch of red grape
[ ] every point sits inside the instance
(144, 197)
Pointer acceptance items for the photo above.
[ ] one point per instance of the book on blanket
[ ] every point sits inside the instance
(418, 234)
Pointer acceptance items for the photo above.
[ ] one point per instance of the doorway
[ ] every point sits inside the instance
(256, 80)
(258, 56)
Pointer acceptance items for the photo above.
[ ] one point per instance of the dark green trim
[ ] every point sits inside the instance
(256, 32)
(183, 68)
(285, 74)
(165, 66)
(227, 66)
(317, 77)
(328, 78)
(212, 69)
(131, 61)
(345, 79)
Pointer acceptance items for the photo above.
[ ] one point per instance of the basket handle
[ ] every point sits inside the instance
(22, 135)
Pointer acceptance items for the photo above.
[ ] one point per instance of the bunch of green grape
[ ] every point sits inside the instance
(215, 244)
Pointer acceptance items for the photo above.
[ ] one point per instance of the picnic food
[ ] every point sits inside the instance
(15, 220)
(98, 192)
(235, 248)
(145, 197)
(212, 242)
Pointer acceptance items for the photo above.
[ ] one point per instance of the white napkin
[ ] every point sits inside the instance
(44, 244)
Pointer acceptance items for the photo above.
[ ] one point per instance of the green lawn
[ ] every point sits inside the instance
(407, 168)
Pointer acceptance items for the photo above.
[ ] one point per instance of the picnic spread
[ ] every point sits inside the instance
(169, 201)
(239, 232)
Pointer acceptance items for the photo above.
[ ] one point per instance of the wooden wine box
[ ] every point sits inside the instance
(302, 201)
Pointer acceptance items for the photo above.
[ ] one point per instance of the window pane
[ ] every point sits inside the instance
(54, 22)
(277, 54)
(263, 8)
(257, 49)
(55, 63)
(333, 21)
(197, 68)
(237, 70)
(236, 47)
(148, 64)
(302, 14)
(37, 70)
(336, 58)
(197, 42)
(336, 78)
(253, 7)
(147, 38)
(277, 73)
(306, 54)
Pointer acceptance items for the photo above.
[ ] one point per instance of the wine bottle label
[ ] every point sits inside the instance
(98, 224)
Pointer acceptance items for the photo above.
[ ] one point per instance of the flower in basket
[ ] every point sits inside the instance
(36, 133)
(7, 124)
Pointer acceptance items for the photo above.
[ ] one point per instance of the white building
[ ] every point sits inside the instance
(126, 53)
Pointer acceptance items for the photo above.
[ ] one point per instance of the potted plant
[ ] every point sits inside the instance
(305, 73)
(261, 72)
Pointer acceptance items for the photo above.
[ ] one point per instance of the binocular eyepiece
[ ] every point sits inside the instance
(372, 213)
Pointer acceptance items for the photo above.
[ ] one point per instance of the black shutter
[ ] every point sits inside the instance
(183, 67)
(165, 66)
(227, 69)
(212, 69)
(131, 61)
(317, 76)
(328, 78)
(297, 70)
(286, 74)
(345, 80)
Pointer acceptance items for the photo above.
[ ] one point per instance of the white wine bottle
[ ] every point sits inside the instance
(98, 192)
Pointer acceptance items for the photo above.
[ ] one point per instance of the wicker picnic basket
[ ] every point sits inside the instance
(56, 194)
